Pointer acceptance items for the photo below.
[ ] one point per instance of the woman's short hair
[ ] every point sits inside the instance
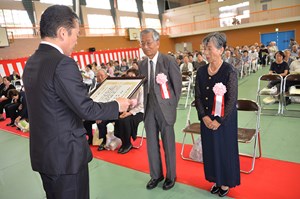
(219, 39)
(280, 53)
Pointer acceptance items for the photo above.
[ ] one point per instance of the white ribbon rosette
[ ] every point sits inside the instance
(162, 79)
(218, 106)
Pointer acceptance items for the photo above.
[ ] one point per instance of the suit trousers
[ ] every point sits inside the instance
(155, 123)
(75, 186)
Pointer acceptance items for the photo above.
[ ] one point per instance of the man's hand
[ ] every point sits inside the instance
(123, 104)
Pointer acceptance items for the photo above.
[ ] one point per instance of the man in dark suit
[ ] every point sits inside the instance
(57, 102)
(161, 95)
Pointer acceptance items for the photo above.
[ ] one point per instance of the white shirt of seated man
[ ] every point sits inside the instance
(88, 76)
(186, 66)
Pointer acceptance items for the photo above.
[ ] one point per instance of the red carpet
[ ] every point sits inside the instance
(270, 179)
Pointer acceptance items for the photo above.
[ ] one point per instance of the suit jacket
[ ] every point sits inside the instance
(167, 65)
(57, 101)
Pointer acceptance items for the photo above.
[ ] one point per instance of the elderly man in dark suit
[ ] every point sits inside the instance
(161, 95)
(57, 102)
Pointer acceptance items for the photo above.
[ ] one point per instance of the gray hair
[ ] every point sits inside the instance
(150, 30)
(217, 38)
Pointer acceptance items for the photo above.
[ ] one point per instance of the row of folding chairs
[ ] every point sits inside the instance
(277, 95)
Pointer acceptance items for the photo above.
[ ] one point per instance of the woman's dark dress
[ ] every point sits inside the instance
(220, 147)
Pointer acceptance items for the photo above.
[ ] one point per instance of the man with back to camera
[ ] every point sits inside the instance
(161, 95)
(57, 102)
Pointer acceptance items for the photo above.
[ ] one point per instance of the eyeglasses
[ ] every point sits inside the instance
(147, 43)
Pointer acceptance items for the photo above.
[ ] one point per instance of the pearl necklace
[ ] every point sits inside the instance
(213, 72)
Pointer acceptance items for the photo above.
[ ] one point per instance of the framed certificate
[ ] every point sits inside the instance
(115, 87)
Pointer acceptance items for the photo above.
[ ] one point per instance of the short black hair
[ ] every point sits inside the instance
(89, 66)
(280, 53)
(57, 16)
(133, 70)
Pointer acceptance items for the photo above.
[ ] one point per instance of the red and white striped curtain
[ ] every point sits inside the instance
(83, 58)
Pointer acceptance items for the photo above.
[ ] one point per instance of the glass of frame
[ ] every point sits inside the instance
(115, 87)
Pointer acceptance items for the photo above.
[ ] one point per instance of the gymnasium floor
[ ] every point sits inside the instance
(280, 140)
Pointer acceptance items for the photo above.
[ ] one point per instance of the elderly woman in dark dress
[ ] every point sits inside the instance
(216, 97)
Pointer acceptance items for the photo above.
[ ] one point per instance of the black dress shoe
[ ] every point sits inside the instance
(120, 149)
(154, 182)
(101, 147)
(214, 189)
(223, 193)
(168, 184)
(10, 124)
(126, 149)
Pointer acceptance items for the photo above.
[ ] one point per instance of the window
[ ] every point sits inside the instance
(103, 4)
(130, 22)
(14, 19)
(128, 5)
(150, 6)
(60, 2)
(101, 24)
(153, 23)
(233, 15)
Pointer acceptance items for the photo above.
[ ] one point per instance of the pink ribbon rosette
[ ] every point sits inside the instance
(218, 106)
(162, 79)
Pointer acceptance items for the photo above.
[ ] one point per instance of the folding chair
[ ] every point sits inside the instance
(186, 88)
(249, 135)
(190, 128)
(142, 139)
(263, 91)
(293, 91)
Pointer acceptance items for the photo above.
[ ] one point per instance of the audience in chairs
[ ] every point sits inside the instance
(288, 59)
(127, 124)
(246, 62)
(199, 62)
(101, 75)
(17, 110)
(186, 67)
(4, 99)
(88, 76)
(279, 67)
(263, 54)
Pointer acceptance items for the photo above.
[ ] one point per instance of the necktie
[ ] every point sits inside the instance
(151, 75)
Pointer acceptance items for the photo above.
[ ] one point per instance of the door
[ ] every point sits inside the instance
(282, 39)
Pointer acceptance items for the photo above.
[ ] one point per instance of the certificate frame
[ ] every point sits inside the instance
(114, 87)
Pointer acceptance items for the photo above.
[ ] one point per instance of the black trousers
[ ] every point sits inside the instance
(11, 111)
(74, 186)
(101, 127)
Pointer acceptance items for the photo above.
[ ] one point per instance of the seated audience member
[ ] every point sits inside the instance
(294, 51)
(246, 61)
(227, 57)
(254, 58)
(17, 110)
(278, 67)
(2, 85)
(135, 65)
(186, 67)
(4, 98)
(272, 48)
(295, 67)
(237, 61)
(263, 54)
(88, 75)
(127, 124)
(199, 62)
(112, 72)
(287, 58)
(101, 75)
(14, 76)
(124, 66)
